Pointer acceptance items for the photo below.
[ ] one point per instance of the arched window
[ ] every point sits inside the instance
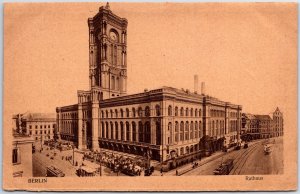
(196, 112)
(192, 130)
(122, 130)
(117, 83)
(116, 113)
(170, 110)
(186, 131)
(106, 112)
(141, 132)
(157, 110)
(147, 111)
(134, 132)
(170, 139)
(176, 111)
(102, 114)
(187, 149)
(107, 130)
(140, 111)
(112, 82)
(111, 114)
(199, 112)
(122, 113)
(187, 112)
(127, 112)
(147, 132)
(133, 112)
(192, 112)
(117, 130)
(181, 112)
(176, 131)
(127, 132)
(102, 134)
(181, 131)
(111, 130)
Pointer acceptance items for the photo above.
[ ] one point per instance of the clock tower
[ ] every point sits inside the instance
(107, 53)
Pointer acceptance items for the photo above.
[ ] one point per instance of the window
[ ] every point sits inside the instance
(116, 113)
(36, 126)
(111, 114)
(147, 132)
(45, 132)
(176, 131)
(133, 112)
(122, 113)
(41, 126)
(140, 112)
(30, 132)
(127, 112)
(181, 112)
(36, 132)
(141, 132)
(157, 110)
(112, 83)
(186, 131)
(41, 132)
(187, 112)
(102, 114)
(181, 131)
(192, 112)
(106, 112)
(48, 126)
(16, 159)
(147, 111)
(170, 110)
(45, 126)
(30, 126)
(196, 112)
(134, 131)
(176, 111)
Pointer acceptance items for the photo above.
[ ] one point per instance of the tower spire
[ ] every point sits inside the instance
(107, 5)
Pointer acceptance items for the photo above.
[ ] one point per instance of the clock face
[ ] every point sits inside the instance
(113, 36)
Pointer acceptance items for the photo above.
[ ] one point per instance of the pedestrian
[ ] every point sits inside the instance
(161, 170)
(176, 172)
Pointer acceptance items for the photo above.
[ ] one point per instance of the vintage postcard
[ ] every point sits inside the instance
(150, 96)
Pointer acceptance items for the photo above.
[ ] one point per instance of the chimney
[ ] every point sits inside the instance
(203, 88)
(196, 84)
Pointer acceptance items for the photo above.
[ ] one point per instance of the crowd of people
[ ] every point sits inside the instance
(120, 163)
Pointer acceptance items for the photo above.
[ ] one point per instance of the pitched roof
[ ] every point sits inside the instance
(263, 117)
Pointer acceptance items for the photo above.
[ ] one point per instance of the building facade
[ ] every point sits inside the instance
(40, 126)
(167, 122)
(277, 123)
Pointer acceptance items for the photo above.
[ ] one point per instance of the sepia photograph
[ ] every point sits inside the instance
(108, 96)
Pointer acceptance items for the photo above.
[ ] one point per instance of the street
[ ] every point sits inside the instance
(250, 161)
(41, 161)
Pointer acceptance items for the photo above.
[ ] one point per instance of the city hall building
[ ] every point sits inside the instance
(166, 122)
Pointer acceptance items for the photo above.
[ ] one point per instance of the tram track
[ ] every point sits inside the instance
(242, 158)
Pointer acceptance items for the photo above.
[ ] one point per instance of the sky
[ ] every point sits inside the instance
(245, 53)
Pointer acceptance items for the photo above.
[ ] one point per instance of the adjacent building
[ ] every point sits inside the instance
(277, 123)
(40, 126)
(22, 147)
(262, 126)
